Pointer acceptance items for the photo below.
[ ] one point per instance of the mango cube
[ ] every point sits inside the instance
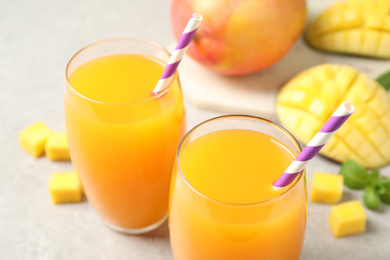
(81, 184)
(57, 147)
(33, 138)
(65, 187)
(326, 188)
(347, 218)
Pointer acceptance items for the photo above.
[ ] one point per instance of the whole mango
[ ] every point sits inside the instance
(239, 37)
(360, 27)
(306, 102)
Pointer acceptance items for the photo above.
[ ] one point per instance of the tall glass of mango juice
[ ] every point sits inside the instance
(222, 201)
(122, 138)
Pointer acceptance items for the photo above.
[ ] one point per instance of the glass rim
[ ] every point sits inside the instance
(151, 98)
(276, 125)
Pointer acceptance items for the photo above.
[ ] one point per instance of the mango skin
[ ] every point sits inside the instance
(240, 37)
(359, 27)
(307, 101)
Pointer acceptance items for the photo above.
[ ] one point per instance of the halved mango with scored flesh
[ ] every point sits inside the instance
(360, 27)
(306, 102)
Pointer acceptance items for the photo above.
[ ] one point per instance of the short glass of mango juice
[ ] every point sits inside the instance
(223, 204)
(122, 138)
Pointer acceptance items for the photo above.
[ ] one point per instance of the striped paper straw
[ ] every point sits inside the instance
(178, 53)
(314, 146)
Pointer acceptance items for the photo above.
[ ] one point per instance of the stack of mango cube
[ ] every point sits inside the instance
(346, 218)
(37, 140)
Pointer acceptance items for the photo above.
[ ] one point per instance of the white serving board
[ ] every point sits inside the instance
(255, 94)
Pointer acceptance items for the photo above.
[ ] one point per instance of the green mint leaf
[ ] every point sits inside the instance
(384, 180)
(355, 175)
(384, 80)
(371, 198)
(374, 177)
(385, 197)
(378, 182)
(380, 188)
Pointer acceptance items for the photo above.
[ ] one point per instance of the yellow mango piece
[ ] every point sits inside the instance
(347, 218)
(365, 122)
(299, 97)
(386, 23)
(364, 137)
(342, 151)
(33, 138)
(325, 73)
(326, 188)
(385, 149)
(344, 78)
(65, 187)
(370, 7)
(81, 184)
(366, 149)
(384, 44)
(355, 136)
(373, 23)
(371, 41)
(319, 107)
(359, 27)
(57, 147)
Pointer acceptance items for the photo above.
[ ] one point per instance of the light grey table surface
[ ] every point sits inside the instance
(37, 38)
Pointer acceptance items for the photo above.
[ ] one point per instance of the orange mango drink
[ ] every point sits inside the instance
(122, 138)
(222, 202)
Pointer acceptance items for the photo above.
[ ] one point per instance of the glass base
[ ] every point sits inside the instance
(136, 231)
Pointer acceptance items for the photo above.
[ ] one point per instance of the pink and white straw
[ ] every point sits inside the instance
(316, 143)
(178, 53)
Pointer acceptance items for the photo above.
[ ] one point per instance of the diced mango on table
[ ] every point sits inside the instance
(57, 147)
(359, 27)
(347, 218)
(326, 188)
(307, 101)
(81, 184)
(65, 187)
(33, 138)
